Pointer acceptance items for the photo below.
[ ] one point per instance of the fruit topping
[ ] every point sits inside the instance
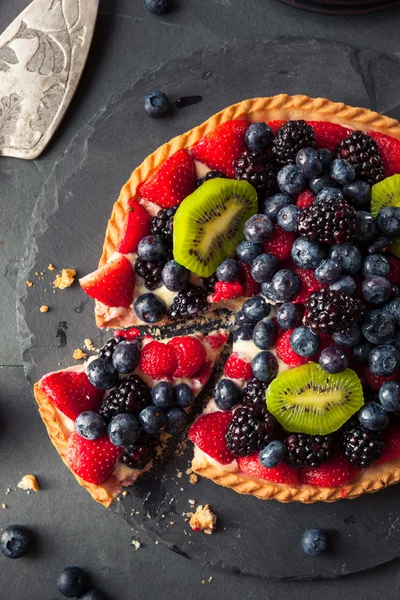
(280, 243)
(131, 396)
(329, 222)
(273, 454)
(362, 447)
(285, 352)
(227, 394)
(333, 359)
(93, 460)
(392, 444)
(306, 253)
(304, 342)
(210, 175)
(265, 366)
(136, 226)
(254, 395)
(328, 135)
(305, 199)
(256, 167)
(237, 368)
(149, 308)
(152, 420)
(328, 311)
(305, 450)
(190, 355)
(90, 425)
(208, 433)
(389, 396)
(337, 471)
(123, 430)
(389, 149)
(125, 357)
(259, 136)
(289, 139)
(71, 392)
(158, 360)
(107, 350)
(250, 431)
(362, 151)
(373, 416)
(102, 374)
(139, 454)
(163, 223)
(283, 473)
(291, 180)
(190, 302)
(111, 284)
(226, 291)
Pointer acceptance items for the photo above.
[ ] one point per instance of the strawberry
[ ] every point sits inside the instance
(309, 284)
(285, 353)
(280, 244)
(283, 473)
(171, 182)
(217, 340)
(334, 473)
(305, 199)
(112, 284)
(394, 275)
(275, 125)
(328, 135)
(93, 460)
(226, 291)
(389, 149)
(136, 225)
(392, 441)
(208, 433)
(71, 392)
(190, 355)
(219, 148)
(201, 377)
(376, 381)
(158, 360)
(250, 287)
(238, 368)
(127, 334)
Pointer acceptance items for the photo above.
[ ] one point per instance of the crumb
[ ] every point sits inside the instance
(29, 283)
(78, 354)
(172, 522)
(179, 474)
(203, 520)
(88, 344)
(8, 490)
(124, 493)
(29, 482)
(44, 308)
(136, 544)
(51, 268)
(189, 471)
(4, 505)
(65, 280)
(192, 502)
(203, 581)
(210, 579)
(37, 274)
(193, 478)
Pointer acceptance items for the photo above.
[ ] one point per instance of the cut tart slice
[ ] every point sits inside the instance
(107, 424)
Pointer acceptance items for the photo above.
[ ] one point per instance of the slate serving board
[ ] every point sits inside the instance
(342, 7)
(67, 229)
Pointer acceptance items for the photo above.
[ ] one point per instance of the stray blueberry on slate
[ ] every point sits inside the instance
(152, 420)
(372, 416)
(174, 276)
(126, 357)
(328, 193)
(259, 136)
(176, 420)
(393, 306)
(365, 226)
(316, 184)
(263, 267)
(345, 284)
(15, 541)
(380, 244)
(92, 595)
(325, 157)
(342, 171)
(376, 264)
(123, 430)
(350, 337)
(255, 309)
(228, 270)
(286, 285)
(287, 217)
(264, 334)
(389, 396)
(258, 228)
(90, 425)
(156, 104)
(314, 541)
(227, 394)
(307, 253)
(149, 308)
(348, 255)
(289, 315)
(290, 180)
(384, 360)
(304, 342)
(333, 360)
(376, 290)
(273, 454)
(273, 205)
(308, 163)
(328, 271)
(102, 374)
(151, 247)
(244, 332)
(361, 352)
(265, 366)
(247, 251)
(358, 193)
(184, 396)
(388, 221)
(378, 326)
(72, 582)
(163, 395)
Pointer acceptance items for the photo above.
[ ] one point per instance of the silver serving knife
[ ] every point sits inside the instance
(42, 56)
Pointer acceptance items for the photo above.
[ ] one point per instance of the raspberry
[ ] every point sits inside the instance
(202, 375)
(127, 334)
(190, 355)
(305, 199)
(217, 340)
(250, 287)
(328, 135)
(158, 360)
(309, 284)
(334, 473)
(285, 353)
(280, 244)
(237, 368)
(394, 275)
(376, 381)
(226, 291)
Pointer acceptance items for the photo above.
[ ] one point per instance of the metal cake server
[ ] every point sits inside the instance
(42, 56)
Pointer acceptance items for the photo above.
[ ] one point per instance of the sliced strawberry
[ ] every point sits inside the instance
(394, 275)
(127, 334)
(93, 460)
(201, 377)
(334, 473)
(275, 125)
(190, 355)
(217, 340)
(389, 148)
(112, 284)
(250, 287)
(283, 473)
(280, 243)
(392, 441)
(136, 225)
(328, 135)
(219, 148)
(171, 182)
(305, 199)
(309, 284)
(238, 368)
(376, 381)
(71, 392)
(226, 291)
(285, 353)
(208, 433)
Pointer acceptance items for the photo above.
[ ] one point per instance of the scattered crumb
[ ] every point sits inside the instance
(193, 478)
(203, 581)
(1, 241)
(210, 579)
(188, 471)
(29, 482)
(179, 474)
(37, 274)
(125, 493)
(51, 268)
(136, 544)
(203, 519)
(8, 490)
(65, 280)
(4, 505)
(172, 522)
(78, 354)
(29, 283)
(44, 308)
(192, 502)
(88, 344)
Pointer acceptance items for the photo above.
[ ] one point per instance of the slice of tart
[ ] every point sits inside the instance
(109, 418)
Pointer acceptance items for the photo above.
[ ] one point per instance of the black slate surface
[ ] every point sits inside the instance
(67, 229)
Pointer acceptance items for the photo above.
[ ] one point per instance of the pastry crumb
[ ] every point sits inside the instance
(203, 520)
(136, 544)
(179, 474)
(4, 506)
(78, 354)
(65, 280)
(51, 267)
(29, 283)
(192, 502)
(88, 344)
(193, 478)
(125, 493)
(44, 308)
(29, 482)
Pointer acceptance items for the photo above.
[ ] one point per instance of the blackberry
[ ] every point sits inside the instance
(289, 139)
(305, 450)
(254, 395)
(162, 223)
(329, 222)
(362, 447)
(362, 151)
(131, 396)
(256, 167)
(189, 303)
(139, 454)
(249, 431)
(329, 311)
(209, 283)
(107, 350)
(208, 176)
(151, 270)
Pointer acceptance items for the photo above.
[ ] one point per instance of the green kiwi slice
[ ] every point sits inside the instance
(385, 193)
(208, 224)
(309, 400)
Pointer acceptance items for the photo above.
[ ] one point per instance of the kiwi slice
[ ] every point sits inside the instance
(385, 193)
(208, 224)
(309, 400)
(394, 247)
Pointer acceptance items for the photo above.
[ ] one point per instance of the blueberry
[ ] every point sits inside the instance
(259, 136)
(372, 416)
(376, 264)
(365, 226)
(287, 217)
(350, 337)
(304, 342)
(258, 228)
(15, 541)
(289, 315)
(286, 285)
(388, 221)
(268, 291)
(240, 318)
(325, 157)
(393, 306)
(126, 357)
(345, 284)
(328, 271)
(328, 193)
(376, 290)
(361, 352)
(255, 309)
(333, 360)
(176, 420)
(380, 244)
(307, 253)
(290, 180)
(273, 205)
(342, 171)
(389, 396)
(247, 251)
(384, 360)
(151, 247)
(102, 374)
(264, 334)
(379, 326)
(263, 267)
(156, 104)
(149, 308)
(184, 397)
(227, 394)
(308, 163)
(273, 454)
(265, 366)
(348, 255)
(245, 333)
(72, 582)
(228, 270)
(358, 193)
(123, 430)
(175, 277)
(157, 6)
(92, 595)
(163, 395)
(152, 420)
(314, 541)
(316, 184)
(90, 425)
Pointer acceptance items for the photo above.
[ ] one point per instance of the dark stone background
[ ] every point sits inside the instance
(71, 528)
